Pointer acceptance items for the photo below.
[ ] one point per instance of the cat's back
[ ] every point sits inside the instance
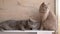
(8, 22)
(8, 25)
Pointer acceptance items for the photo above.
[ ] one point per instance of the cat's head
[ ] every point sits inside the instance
(33, 24)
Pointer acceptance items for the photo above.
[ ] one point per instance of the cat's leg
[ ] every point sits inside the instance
(22, 28)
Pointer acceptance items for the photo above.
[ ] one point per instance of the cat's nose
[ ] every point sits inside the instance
(30, 28)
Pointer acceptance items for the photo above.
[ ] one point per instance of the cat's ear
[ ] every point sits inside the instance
(32, 20)
(44, 11)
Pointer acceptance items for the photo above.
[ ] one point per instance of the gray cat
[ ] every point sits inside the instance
(19, 25)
